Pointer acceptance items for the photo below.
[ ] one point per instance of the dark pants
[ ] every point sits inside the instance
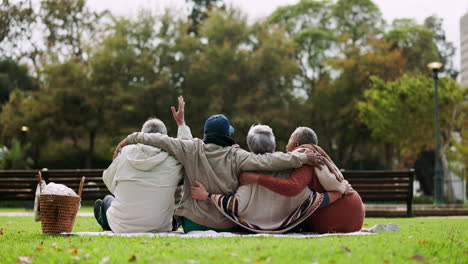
(101, 217)
(189, 225)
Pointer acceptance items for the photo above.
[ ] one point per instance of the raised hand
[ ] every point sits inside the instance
(199, 193)
(179, 115)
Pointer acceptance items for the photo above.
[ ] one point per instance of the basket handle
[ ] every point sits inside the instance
(80, 191)
(39, 178)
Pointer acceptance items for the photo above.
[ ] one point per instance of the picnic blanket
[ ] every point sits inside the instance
(213, 234)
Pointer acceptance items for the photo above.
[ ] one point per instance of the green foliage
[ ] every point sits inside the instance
(439, 240)
(98, 77)
(235, 71)
(16, 157)
(16, 18)
(200, 12)
(68, 24)
(402, 111)
(445, 48)
(14, 76)
(416, 43)
(358, 19)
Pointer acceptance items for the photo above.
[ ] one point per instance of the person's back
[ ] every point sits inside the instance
(266, 209)
(144, 182)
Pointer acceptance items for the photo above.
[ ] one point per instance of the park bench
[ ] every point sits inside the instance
(17, 185)
(373, 186)
(383, 186)
(21, 184)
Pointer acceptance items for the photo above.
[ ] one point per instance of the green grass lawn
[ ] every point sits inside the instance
(422, 240)
(16, 209)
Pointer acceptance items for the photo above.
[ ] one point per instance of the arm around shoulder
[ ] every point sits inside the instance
(270, 161)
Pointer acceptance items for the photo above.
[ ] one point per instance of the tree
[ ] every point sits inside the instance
(14, 76)
(309, 23)
(445, 49)
(416, 43)
(69, 24)
(357, 19)
(200, 11)
(399, 112)
(243, 71)
(15, 27)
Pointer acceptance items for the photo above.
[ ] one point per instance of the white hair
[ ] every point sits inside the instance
(154, 125)
(260, 139)
(304, 135)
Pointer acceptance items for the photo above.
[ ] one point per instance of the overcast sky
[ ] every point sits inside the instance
(449, 10)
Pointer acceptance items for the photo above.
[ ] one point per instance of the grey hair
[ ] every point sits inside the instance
(154, 125)
(260, 139)
(304, 135)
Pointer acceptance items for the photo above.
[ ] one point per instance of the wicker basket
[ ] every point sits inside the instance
(58, 212)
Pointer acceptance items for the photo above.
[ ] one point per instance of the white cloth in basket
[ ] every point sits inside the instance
(58, 189)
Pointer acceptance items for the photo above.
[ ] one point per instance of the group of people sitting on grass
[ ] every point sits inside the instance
(225, 188)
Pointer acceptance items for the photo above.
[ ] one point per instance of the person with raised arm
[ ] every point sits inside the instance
(143, 180)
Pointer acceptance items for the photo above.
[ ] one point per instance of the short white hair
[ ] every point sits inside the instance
(304, 135)
(260, 139)
(154, 125)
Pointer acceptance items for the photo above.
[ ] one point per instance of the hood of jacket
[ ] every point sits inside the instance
(144, 157)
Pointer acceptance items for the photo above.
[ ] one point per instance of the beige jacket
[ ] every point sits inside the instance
(215, 166)
(143, 180)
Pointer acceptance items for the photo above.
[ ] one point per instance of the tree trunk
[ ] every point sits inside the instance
(89, 155)
(449, 194)
(389, 156)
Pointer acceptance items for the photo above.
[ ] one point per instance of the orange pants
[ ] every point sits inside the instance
(342, 216)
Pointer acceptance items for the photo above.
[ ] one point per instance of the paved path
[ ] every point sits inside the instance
(31, 214)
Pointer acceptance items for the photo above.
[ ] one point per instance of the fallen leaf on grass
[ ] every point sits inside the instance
(41, 243)
(132, 258)
(1, 231)
(346, 249)
(25, 259)
(418, 257)
(386, 262)
(104, 260)
(74, 251)
(466, 252)
(39, 249)
(421, 242)
(258, 248)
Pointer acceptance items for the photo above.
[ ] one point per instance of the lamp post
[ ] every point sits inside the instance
(438, 181)
(24, 130)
